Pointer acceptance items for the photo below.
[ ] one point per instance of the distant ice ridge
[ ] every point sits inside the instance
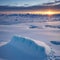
(37, 49)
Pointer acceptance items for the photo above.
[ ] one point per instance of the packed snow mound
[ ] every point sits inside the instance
(25, 48)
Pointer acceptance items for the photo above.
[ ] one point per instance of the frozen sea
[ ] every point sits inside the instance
(29, 37)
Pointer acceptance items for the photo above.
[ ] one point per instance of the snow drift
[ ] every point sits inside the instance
(22, 48)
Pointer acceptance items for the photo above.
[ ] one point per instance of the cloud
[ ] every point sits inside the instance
(27, 8)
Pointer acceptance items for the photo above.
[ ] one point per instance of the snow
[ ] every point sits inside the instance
(31, 31)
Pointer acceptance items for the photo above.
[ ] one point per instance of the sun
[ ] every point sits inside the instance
(49, 13)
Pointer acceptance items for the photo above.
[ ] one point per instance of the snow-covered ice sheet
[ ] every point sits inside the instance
(38, 31)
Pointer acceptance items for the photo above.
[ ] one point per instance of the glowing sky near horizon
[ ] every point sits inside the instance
(23, 2)
(47, 12)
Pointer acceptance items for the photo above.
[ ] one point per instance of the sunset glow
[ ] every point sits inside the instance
(46, 12)
(50, 13)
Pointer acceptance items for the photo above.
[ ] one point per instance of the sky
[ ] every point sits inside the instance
(23, 2)
(34, 7)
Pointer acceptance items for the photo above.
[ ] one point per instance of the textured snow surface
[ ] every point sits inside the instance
(29, 40)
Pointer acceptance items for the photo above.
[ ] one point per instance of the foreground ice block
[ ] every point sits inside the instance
(22, 48)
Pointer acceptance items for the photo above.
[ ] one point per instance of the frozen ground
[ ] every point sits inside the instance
(40, 31)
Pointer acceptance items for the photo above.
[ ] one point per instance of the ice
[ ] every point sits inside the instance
(35, 49)
(55, 42)
(40, 32)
